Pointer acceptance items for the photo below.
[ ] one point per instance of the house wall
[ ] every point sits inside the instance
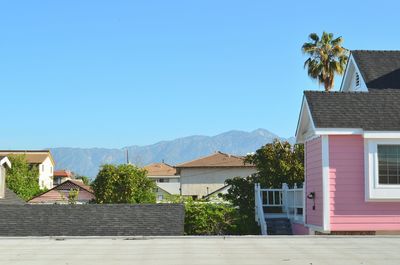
(46, 174)
(313, 181)
(2, 181)
(348, 209)
(194, 181)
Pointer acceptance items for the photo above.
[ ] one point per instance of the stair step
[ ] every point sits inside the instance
(279, 226)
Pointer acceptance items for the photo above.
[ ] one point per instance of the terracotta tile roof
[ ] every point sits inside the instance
(218, 159)
(63, 173)
(160, 169)
(32, 156)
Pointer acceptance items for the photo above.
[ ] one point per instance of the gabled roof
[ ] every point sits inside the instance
(379, 69)
(32, 156)
(11, 198)
(218, 159)
(56, 193)
(4, 161)
(160, 169)
(376, 110)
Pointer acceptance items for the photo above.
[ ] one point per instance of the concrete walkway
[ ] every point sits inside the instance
(203, 250)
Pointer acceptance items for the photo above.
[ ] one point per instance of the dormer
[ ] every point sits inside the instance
(352, 79)
(368, 70)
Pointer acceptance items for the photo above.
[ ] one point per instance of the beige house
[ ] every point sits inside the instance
(44, 161)
(166, 178)
(205, 175)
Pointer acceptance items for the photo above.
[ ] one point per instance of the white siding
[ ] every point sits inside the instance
(46, 170)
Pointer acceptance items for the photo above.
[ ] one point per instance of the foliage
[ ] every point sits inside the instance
(123, 184)
(73, 196)
(327, 57)
(23, 178)
(276, 163)
(208, 218)
(85, 180)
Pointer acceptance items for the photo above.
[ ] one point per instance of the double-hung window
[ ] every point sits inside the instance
(382, 169)
(389, 164)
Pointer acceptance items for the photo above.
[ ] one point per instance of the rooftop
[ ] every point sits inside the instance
(379, 69)
(376, 110)
(32, 156)
(160, 169)
(218, 159)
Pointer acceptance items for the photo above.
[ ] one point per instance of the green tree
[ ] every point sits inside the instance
(85, 180)
(73, 196)
(123, 184)
(23, 178)
(277, 163)
(327, 58)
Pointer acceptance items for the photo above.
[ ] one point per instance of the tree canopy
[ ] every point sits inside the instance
(22, 178)
(123, 184)
(277, 163)
(327, 58)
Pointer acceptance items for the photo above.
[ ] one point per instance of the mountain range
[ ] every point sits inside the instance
(86, 161)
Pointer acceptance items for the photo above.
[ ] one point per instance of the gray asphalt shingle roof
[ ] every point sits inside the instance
(376, 110)
(92, 220)
(379, 69)
(11, 198)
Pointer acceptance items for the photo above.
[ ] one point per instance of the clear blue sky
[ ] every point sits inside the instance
(117, 73)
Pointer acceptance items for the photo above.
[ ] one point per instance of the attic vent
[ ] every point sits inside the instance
(357, 80)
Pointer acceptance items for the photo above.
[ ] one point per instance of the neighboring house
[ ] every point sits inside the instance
(43, 159)
(205, 175)
(61, 176)
(166, 179)
(6, 195)
(352, 148)
(60, 193)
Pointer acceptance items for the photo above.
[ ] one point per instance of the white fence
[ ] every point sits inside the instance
(278, 203)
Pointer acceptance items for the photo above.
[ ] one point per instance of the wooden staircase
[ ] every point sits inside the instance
(279, 226)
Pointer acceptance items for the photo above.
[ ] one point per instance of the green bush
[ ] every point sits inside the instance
(208, 218)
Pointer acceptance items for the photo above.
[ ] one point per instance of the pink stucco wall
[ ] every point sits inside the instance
(314, 181)
(300, 229)
(348, 209)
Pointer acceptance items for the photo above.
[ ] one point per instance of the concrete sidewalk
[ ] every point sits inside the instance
(202, 250)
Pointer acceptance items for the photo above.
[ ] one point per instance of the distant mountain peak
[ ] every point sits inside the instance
(87, 161)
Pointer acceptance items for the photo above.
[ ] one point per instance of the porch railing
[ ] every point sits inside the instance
(278, 203)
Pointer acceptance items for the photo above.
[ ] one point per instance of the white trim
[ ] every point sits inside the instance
(338, 131)
(362, 87)
(381, 134)
(311, 130)
(325, 182)
(6, 161)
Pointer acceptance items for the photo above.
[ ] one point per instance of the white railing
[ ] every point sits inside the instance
(278, 203)
(259, 210)
(294, 202)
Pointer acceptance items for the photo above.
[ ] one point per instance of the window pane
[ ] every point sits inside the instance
(389, 164)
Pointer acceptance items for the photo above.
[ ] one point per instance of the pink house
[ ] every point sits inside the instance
(352, 149)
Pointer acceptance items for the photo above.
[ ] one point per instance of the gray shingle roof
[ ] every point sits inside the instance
(379, 69)
(11, 198)
(92, 220)
(376, 110)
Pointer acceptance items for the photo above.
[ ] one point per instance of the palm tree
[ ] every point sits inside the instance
(327, 57)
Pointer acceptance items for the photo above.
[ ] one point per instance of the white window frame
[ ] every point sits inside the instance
(373, 190)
